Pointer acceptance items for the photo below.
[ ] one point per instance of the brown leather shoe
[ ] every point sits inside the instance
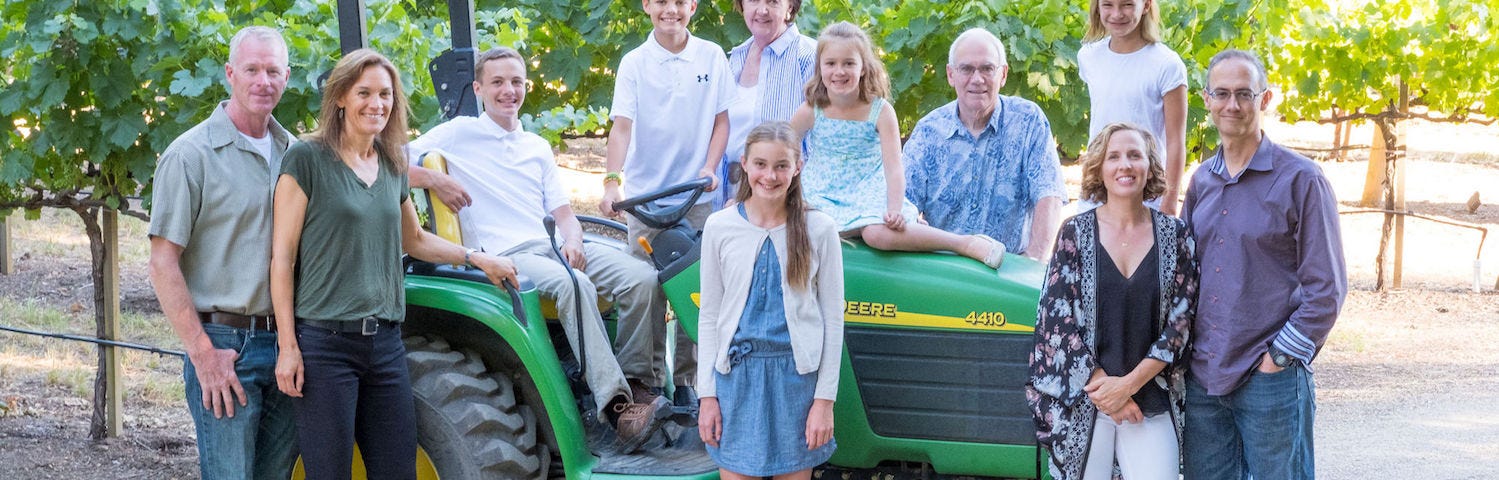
(639, 393)
(637, 422)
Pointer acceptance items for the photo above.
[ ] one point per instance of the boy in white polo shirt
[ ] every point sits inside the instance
(512, 183)
(671, 124)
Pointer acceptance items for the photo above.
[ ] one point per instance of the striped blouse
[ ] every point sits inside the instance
(785, 67)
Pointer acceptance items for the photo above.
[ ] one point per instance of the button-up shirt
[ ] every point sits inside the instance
(1272, 264)
(988, 183)
(785, 67)
(511, 176)
(212, 196)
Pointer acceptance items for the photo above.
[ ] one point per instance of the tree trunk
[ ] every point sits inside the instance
(106, 419)
(1386, 129)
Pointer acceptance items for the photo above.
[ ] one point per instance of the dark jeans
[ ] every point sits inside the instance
(356, 389)
(257, 442)
(1261, 430)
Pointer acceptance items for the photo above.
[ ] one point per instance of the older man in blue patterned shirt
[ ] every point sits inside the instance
(986, 163)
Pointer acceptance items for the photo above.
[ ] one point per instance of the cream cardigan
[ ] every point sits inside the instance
(814, 316)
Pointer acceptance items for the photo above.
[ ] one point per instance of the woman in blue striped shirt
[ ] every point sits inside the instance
(770, 69)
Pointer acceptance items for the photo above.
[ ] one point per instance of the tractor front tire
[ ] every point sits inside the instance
(468, 419)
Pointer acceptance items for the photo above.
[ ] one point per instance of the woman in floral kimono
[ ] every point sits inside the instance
(1111, 329)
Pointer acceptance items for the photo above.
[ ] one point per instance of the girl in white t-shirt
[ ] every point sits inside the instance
(1133, 77)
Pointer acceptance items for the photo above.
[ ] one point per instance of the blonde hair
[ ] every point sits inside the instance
(873, 82)
(1150, 22)
(391, 141)
(1093, 188)
(798, 245)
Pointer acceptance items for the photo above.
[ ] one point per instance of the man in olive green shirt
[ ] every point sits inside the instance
(210, 264)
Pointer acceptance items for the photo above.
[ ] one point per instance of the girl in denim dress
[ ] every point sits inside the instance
(771, 324)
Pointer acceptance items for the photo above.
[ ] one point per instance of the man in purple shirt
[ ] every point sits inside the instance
(1273, 279)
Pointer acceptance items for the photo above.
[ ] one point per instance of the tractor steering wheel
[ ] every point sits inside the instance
(664, 217)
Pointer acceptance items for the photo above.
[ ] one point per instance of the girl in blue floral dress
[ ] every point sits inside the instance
(853, 153)
(771, 324)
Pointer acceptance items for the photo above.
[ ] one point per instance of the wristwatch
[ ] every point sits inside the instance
(467, 254)
(1281, 359)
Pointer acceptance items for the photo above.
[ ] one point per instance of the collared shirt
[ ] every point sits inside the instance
(785, 67)
(211, 195)
(987, 184)
(672, 98)
(1272, 264)
(510, 175)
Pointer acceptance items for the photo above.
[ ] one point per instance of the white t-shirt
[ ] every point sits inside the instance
(510, 175)
(1130, 87)
(744, 115)
(672, 99)
(265, 145)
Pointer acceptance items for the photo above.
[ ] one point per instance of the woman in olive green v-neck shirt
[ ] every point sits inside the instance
(342, 216)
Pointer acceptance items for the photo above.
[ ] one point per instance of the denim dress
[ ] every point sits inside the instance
(763, 401)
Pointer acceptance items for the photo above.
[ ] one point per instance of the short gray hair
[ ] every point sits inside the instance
(977, 34)
(262, 33)
(1261, 83)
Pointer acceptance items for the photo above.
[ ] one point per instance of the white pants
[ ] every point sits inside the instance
(1146, 450)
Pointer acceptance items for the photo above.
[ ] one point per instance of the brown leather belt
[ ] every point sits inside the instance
(239, 321)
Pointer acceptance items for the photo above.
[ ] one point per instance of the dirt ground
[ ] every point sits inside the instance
(1406, 384)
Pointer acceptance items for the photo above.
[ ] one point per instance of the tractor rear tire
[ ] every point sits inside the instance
(468, 419)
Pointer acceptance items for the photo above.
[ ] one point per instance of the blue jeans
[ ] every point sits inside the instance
(1262, 430)
(259, 441)
(355, 388)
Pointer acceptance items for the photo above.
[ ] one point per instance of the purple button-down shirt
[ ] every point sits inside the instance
(1271, 255)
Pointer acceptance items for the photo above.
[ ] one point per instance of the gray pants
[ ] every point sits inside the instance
(616, 276)
(684, 357)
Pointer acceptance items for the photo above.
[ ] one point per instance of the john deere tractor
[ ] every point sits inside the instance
(933, 366)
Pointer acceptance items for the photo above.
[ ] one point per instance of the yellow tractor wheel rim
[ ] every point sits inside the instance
(424, 468)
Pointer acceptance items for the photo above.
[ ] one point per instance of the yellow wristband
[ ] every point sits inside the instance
(616, 177)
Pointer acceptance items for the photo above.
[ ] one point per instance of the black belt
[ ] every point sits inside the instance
(365, 326)
(247, 322)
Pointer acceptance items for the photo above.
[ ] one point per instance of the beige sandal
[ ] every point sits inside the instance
(996, 254)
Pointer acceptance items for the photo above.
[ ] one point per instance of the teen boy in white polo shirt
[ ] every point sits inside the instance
(511, 180)
(671, 124)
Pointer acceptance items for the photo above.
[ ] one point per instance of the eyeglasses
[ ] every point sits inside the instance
(987, 70)
(1238, 96)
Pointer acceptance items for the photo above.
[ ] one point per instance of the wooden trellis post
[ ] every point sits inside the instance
(109, 360)
(6, 267)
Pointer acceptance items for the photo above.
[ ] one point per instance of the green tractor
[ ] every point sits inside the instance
(933, 367)
(934, 362)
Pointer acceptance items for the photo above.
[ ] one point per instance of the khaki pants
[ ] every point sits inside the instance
(612, 274)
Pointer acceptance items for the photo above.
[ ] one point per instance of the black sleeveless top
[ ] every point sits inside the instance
(1127, 309)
